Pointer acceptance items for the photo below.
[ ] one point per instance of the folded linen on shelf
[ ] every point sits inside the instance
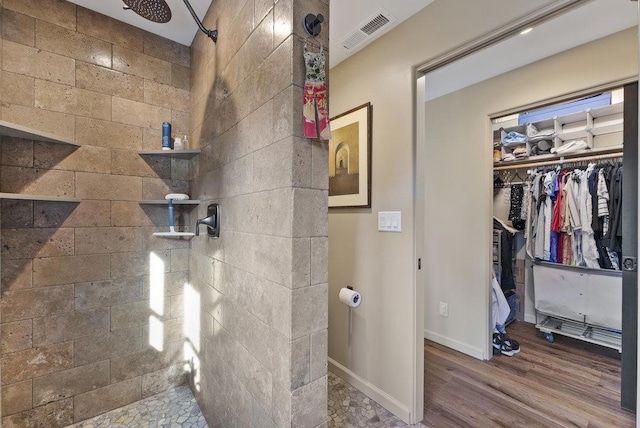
(534, 135)
(520, 152)
(513, 139)
(570, 147)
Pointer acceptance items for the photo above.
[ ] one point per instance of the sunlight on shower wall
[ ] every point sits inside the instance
(156, 301)
(192, 332)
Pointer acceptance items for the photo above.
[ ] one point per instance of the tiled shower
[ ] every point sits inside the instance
(96, 313)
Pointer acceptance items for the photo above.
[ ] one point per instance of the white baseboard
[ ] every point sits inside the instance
(454, 344)
(371, 391)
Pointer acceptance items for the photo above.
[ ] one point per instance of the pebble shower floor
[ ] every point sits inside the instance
(177, 408)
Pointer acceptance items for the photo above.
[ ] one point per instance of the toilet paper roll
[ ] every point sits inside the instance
(350, 297)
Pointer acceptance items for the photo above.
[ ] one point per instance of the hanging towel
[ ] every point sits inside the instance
(315, 105)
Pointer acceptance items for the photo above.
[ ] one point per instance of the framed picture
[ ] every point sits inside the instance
(350, 159)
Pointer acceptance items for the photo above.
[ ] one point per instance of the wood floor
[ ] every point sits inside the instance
(563, 384)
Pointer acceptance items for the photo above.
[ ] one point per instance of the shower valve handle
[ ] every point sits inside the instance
(212, 221)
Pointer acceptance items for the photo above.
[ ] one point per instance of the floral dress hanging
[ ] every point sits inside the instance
(315, 108)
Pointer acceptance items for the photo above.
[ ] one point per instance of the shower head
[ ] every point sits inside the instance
(159, 11)
(153, 10)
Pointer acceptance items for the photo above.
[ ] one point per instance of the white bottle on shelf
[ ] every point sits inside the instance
(177, 144)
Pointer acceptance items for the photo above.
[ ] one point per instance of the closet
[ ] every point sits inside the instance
(558, 181)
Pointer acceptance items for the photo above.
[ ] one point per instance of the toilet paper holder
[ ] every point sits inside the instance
(352, 299)
(356, 299)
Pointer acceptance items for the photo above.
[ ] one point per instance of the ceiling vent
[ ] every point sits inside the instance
(368, 29)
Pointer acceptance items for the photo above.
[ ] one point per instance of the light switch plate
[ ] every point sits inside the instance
(389, 221)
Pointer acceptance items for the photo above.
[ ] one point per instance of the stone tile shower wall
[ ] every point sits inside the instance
(78, 335)
(259, 293)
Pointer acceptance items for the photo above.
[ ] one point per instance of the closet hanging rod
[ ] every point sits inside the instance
(559, 161)
(508, 185)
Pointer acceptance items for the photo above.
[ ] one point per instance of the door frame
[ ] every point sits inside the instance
(419, 144)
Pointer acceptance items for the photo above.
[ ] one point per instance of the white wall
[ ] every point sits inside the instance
(374, 345)
(458, 147)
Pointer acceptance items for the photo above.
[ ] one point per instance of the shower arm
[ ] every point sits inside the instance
(211, 33)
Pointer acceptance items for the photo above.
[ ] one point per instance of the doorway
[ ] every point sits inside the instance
(457, 257)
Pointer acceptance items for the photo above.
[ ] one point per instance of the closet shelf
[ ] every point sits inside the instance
(171, 153)
(17, 131)
(25, 197)
(607, 129)
(545, 124)
(540, 160)
(579, 134)
(573, 117)
(175, 202)
(607, 110)
(598, 127)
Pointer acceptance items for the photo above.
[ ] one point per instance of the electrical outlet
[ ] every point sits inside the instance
(444, 309)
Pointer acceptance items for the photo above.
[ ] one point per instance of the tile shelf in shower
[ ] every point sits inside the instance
(12, 130)
(182, 235)
(175, 153)
(26, 197)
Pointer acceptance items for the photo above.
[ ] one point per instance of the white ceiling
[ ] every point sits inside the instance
(596, 19)
(349, 15)
(182, 28)
(346, 16)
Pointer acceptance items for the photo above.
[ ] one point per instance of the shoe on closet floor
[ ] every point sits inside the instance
(504, 345)
(510, 347)
(497, 340)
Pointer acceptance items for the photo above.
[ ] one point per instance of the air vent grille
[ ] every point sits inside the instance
(368, 30)
(354, 40)
(375, 24)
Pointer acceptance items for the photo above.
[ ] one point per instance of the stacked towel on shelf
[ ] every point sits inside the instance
(520, 153)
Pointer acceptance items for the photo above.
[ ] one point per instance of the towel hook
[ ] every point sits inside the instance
(313, 24)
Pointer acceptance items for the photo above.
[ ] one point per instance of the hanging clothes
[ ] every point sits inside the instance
(609, 258)
(315, 107)
(526, 198)
(507, 281)
(515, 208)
(556, 222)
(566, 256)
(570, 220)
(543, 232)
(589, 249)
(500, 308)
(553, 233)
(532, 215)
(574, 215)
(598, 192)
(614, 233)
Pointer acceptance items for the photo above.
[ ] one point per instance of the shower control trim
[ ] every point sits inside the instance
(212, 221)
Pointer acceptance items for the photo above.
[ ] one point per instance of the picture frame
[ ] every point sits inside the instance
(350, 158)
